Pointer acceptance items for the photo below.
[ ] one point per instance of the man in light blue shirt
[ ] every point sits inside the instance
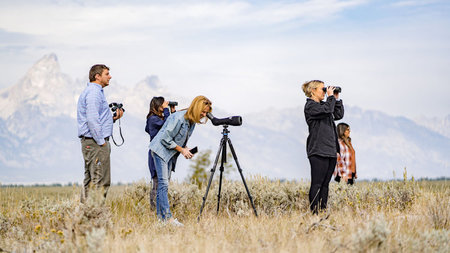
(95, 125)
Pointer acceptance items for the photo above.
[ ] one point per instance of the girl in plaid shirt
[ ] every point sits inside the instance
(346, 165)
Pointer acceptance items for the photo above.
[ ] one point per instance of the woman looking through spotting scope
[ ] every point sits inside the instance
(171, 141)
(322, 144)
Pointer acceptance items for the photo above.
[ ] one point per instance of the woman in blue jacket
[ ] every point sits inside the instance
(157, 115)
(171, 141)
(322, 145)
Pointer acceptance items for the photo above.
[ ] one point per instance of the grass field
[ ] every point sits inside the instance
(393, 216)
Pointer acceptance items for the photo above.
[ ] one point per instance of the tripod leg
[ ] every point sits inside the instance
(222, 161)
(220, 188)
(242, 176)
(224, 153)
(213, 170)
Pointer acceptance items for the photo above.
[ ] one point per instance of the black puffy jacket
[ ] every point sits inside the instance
(320, 116)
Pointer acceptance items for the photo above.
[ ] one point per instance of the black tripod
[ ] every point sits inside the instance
(223, 148)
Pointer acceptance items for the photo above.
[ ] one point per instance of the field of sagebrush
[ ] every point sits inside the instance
(395, 216)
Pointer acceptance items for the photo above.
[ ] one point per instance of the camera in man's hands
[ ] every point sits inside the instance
(114, 106)
(173, 103)
(337, 89)
(230, 121)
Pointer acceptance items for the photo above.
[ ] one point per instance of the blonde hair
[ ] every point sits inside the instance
(309, 86)
(199, 104)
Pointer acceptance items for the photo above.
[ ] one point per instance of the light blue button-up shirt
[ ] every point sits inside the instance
(93, 115)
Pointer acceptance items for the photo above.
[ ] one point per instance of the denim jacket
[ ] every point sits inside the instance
(175, 131)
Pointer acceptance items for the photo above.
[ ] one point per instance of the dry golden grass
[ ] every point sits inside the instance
(369, 217)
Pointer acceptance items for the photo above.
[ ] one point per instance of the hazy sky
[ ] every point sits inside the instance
(392, 56)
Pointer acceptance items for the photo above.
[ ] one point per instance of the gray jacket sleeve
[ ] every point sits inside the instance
(320, 111)
(338, 110)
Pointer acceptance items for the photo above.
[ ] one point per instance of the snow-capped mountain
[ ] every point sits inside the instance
(441, 126)
(39, 143)
(44, 87)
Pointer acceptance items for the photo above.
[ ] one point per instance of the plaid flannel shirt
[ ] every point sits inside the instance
(345, 165)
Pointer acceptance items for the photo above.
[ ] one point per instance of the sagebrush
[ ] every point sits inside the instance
(395, 216)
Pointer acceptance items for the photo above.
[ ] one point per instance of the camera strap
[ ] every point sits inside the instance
(121, 136)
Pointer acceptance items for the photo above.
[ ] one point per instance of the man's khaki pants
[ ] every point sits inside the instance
(97, 166)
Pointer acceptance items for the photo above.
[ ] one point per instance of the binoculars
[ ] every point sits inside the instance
(337, 89)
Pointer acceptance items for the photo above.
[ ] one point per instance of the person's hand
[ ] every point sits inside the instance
(165, 104)
(186, 153)
(330, 90)
(172, 109)
(119, 114)
(356, 176)
(336, 95)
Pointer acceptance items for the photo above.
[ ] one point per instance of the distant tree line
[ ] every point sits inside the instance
(70, 184)
(199, 175)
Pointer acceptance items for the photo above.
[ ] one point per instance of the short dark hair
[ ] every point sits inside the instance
(96, 69)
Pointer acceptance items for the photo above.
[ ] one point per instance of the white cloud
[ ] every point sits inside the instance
(62, 20)
(412, 3)
(240, 51)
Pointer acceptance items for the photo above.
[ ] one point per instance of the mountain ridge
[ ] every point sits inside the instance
(39, 143)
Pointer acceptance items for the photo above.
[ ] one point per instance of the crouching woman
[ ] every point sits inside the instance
(171, 141)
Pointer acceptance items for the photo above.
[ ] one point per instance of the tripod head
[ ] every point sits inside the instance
(225, 130)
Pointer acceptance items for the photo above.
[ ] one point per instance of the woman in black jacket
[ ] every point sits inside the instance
(322, 144)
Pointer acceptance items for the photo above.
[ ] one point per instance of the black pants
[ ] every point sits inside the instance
(350, 181)
(321, 171)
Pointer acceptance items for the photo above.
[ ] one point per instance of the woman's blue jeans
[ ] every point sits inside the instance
(162, 198)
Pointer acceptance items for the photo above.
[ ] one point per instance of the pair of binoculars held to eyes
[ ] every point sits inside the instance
(337, 89)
